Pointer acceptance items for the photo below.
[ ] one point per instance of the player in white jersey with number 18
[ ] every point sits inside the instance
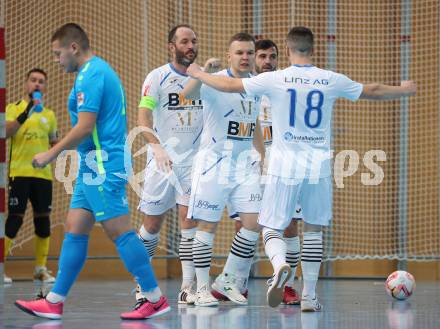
(266, 60)
(226, 172)
(302, 98)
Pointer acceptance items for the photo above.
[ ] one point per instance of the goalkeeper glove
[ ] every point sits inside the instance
(25, 114)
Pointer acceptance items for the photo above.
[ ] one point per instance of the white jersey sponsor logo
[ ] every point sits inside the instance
(229, 125)
(177, 121)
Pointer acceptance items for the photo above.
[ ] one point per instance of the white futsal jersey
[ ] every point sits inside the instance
(177, 121)
(302, 98)
(229, 126)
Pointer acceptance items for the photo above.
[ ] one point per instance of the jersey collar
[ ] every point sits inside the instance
(86, 65)
(229, 72)
(175, 70)
(305, 65)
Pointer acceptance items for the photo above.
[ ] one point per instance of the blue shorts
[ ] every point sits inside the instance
(105, 200)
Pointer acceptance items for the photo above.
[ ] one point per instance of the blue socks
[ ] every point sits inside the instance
(72, 259)
(74, 254)
(136, 260)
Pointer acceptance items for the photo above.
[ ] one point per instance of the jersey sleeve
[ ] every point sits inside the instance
(205, 92)
(89, 92)
(347, 88)
(258, 85)
(208, 93)
(150, 91)
(11, 112)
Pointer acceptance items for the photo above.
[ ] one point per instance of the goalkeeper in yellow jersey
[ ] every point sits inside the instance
(32, 129)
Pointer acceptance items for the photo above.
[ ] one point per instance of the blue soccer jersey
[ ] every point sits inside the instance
(98, 89)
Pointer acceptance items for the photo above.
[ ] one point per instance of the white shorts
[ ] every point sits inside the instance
(280, 198)
(162, 192)
(232, 213)
(298, 215)
(210, 194)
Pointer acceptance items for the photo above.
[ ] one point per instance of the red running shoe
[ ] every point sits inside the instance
(144, 309)
(290, 296)
(42, 308)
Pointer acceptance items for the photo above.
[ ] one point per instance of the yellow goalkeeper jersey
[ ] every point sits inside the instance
(31, 138)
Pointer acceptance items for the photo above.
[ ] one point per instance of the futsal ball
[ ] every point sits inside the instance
(400, 285)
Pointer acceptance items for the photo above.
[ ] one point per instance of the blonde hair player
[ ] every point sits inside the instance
(299, 164)
(266, 60)
(226, 174)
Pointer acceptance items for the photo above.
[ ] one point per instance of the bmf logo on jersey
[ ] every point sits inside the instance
(241, 130)
(178, 102)
(187, 113)
(242, 124)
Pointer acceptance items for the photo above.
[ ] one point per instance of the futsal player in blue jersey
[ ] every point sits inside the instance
(97, 110)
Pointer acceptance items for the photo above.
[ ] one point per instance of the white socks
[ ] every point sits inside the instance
(311, 261)
(149, 240)
(275, 247)
(153, 295)
(241, 255)
(186, 256)
(55, 298)
(202, 254)
(292, 257)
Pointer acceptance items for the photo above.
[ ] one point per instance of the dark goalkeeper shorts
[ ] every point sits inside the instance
(37, 190)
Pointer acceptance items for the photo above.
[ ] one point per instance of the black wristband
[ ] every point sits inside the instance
(24, 115)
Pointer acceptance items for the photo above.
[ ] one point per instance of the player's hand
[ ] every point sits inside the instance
(193, 70)
(41, 160)
(409, 86)
(212, 65)
(163, 161)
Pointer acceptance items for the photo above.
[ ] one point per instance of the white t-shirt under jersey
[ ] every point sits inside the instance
(177, 121)
(229, 122)
(302, 99)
